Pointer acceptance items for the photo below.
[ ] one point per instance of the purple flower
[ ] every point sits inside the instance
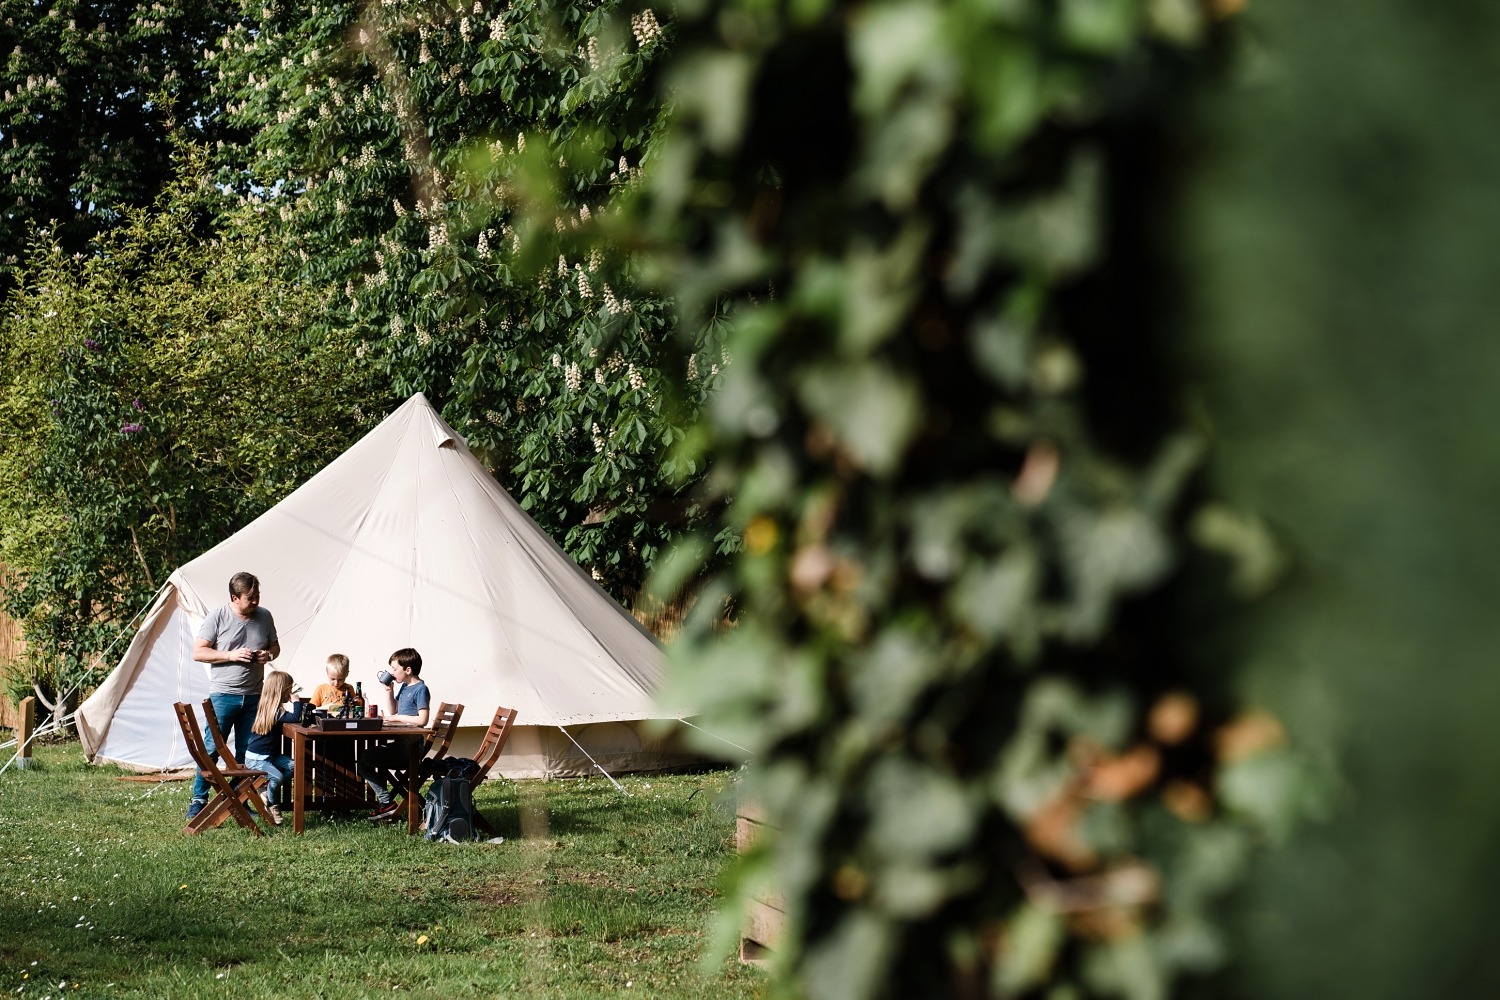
(137, 404)
(92, 344)
(132, 428)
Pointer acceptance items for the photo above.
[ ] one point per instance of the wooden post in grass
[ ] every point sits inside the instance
(766, 913)
(25, 730)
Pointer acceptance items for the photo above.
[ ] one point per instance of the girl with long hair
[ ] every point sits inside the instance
(277, 708)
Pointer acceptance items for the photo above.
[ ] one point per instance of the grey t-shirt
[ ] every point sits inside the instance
(227, 631)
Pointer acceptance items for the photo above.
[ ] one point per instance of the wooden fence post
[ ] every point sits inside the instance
(766, 913)
(24, 733)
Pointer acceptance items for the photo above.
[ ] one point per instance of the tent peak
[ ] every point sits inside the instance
(443, 435)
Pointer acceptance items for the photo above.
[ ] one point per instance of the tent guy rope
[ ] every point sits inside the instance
(52, 722)
(590, 756)
(715, 736)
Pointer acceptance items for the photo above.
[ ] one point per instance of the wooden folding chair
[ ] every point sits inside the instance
(444, 725)
(230, 795)
(489, 752)
(222, 750)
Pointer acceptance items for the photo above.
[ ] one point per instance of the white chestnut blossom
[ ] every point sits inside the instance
(644, 27)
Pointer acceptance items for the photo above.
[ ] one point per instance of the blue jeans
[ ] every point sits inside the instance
(234, 712)
(278, 768)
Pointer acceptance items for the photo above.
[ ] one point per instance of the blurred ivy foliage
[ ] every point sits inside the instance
(156, 394)
(440, 169)
(89, 90)
(953, 654)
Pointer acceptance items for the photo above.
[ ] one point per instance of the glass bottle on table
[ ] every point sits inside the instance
(359, 700)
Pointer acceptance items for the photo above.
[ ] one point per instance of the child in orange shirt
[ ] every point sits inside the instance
(333, 693)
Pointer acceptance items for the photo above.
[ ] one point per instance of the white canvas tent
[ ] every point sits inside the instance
(406, 540)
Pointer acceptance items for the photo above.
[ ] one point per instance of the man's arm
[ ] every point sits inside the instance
(204, 652)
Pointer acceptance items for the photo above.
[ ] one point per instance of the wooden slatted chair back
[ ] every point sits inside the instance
(193, 737)
(445, 724)
(224, 750)
(489, 752)
(493, 743)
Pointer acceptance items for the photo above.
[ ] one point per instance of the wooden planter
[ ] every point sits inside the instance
(766, 913)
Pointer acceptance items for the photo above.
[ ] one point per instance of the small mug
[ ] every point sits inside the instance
(385, 677)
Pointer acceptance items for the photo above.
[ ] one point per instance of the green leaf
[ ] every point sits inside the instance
(873, 411)
(1033, 939)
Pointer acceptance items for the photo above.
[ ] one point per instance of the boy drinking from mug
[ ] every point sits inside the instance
(409, 704)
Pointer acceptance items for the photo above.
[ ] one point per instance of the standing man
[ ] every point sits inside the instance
(236, 641)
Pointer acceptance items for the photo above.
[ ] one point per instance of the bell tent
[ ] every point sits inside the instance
(406, 540)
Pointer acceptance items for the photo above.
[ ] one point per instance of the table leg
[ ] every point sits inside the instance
(299, 780)
(413, 782)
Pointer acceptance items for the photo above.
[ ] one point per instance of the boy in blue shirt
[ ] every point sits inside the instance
(410, 704)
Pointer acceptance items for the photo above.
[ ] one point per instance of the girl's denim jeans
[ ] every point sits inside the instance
(278, 768)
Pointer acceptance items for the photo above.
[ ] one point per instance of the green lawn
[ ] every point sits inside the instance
(592, 894)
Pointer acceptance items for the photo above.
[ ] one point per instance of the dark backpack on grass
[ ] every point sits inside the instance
(466, 766)
(449, 810)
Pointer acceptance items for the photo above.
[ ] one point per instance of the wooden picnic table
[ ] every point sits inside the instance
(323, 768)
